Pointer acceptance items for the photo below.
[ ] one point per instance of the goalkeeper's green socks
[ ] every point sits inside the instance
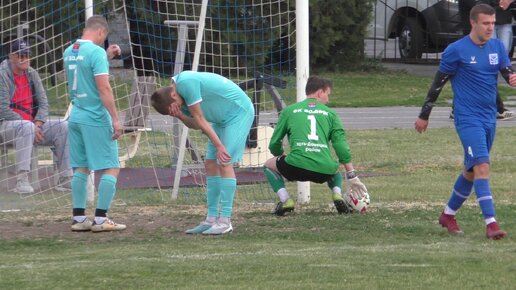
(274, 178)
(335, 183)
(277, 183)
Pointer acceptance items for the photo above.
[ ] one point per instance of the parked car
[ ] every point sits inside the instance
(419, 26)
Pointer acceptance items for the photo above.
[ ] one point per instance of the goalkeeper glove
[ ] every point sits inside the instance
(357, 188)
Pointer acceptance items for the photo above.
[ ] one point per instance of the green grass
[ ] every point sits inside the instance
(397, 245)
(389, 249)
(381, 89)
(351, 89)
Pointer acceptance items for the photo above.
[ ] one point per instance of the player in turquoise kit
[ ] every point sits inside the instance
(224, 113)
(310, 127)
(93, 124)
(472, 64)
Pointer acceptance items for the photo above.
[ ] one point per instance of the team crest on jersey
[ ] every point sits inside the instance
(312, 104)
(75, 48)
(493, 58)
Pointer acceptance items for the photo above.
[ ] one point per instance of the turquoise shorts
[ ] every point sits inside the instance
(233, 136)
(92, 147)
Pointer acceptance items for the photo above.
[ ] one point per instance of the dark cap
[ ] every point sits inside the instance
(20, 47)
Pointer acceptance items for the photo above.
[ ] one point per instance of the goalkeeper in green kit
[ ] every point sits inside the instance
(310, 127)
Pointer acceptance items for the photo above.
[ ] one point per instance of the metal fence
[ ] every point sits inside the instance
(415, 30)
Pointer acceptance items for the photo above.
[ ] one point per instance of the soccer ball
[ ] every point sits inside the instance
(359, 204)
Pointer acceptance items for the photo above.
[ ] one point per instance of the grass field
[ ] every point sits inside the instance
(350, 89)
(396, 245)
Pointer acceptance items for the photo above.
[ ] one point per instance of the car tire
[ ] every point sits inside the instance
(410, 40)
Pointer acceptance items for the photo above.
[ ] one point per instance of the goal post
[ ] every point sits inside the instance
(237, 40)
(302, 74)
(184, 131)
(254, 43)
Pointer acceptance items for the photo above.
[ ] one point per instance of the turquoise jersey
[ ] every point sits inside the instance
(222, 101)
(83, 61)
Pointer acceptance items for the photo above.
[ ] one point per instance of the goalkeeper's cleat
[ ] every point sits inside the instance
(203, 226)
(107, 226)
(340, 204)
(83, 226)
(494, 232)
(219, 228)
(283, 207)
(449, 222)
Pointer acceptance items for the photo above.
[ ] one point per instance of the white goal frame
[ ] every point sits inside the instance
(302, 74)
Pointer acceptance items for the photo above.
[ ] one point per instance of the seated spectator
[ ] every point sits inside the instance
(24, 117)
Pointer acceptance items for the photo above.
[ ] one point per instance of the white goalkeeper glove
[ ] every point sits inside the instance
(357, 188)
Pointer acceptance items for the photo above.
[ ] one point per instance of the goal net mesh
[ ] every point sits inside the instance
(251, 42)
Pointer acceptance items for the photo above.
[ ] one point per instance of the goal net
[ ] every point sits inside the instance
(251, 42)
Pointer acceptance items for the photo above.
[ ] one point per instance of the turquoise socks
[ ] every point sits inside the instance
(213, 195)
(107, 190)
(227, 194)
(79, 188)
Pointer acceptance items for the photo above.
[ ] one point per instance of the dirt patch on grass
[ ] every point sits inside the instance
(143, 222)
(146, 222)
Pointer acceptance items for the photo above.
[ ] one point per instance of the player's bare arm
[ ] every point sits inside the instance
(222, 155)
(108, 100)
(175, 111)
(433, 93)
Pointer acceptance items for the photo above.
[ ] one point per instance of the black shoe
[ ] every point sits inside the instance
(342, 207)
(283, 207)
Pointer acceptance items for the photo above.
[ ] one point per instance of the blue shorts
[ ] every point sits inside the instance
(233, 136)
(476, 142)
(92, 147)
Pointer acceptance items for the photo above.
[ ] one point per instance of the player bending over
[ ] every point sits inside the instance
(224, 113)
(310, 127)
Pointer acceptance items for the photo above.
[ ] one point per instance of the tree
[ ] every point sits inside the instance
(337, 32)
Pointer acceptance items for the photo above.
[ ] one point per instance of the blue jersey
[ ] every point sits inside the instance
(83, 61)
(474, 77)
(222, 101)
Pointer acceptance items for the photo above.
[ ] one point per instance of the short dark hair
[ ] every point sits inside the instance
(161, 100)
(96, 22)
(481, 9)
(315, 83)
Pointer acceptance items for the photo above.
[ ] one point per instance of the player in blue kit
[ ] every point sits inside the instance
(93, 125)
(472, 65)
(198, 99)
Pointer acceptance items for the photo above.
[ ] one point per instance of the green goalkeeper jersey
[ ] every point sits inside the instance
(310, 127)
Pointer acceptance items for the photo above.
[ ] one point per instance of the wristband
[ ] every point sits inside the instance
(351, 174)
